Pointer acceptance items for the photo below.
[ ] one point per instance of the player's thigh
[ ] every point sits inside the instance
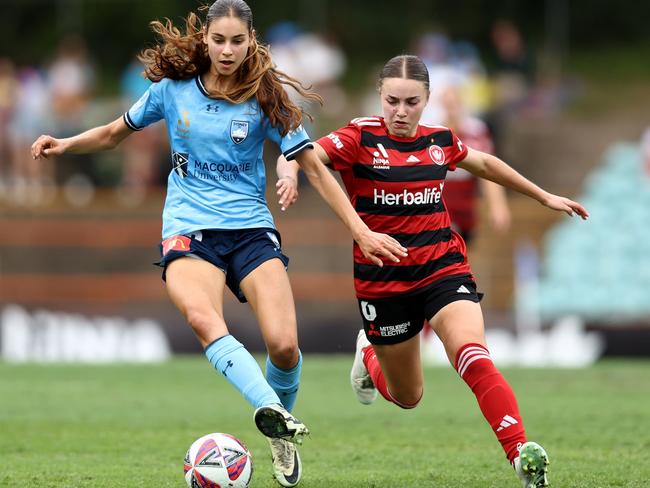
(402, 368)
(393, 326)
(196, 288)
(268, 290)
(457, 324)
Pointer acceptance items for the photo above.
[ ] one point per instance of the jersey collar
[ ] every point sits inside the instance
(201, 87)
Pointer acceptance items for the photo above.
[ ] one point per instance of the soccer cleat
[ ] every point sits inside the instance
(287, 468)
(360, 380)
(532, 466)
(274, 421)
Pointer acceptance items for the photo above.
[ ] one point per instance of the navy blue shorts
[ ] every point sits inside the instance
(397, 319)
(235, 252)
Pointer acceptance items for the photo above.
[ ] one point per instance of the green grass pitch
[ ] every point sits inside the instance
(129, 426)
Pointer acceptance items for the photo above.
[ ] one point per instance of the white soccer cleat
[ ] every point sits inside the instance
(287, 468)
(532, 466)
(275, 422)
(360, 379)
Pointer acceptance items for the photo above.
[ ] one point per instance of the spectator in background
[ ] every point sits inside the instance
(71, 78)
(8, 92)
(453, 63)
(311, 58)
(435, 50)
(476, 90)
(317, 63)
(462, 188)
(32, 182)
(513, 71)
(512, 78)
(143, 155)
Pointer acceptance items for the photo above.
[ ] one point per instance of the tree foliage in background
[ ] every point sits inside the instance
(368, 31)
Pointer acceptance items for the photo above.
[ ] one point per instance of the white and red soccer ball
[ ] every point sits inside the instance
(218, 461)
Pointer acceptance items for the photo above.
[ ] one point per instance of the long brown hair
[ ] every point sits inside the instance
(183, 55)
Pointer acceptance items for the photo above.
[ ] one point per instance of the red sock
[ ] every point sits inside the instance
(495, 397)
(374, 369)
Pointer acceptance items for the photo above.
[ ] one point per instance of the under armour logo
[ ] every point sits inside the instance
(212, 108)
(228, 365)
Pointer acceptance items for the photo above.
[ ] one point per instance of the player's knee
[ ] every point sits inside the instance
(201, 321)
(284, 354)
(196, 317)
(408, 400)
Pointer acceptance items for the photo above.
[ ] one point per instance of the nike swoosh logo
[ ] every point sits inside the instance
(293, 477)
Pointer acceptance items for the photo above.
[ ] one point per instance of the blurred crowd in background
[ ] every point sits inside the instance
(59, 98)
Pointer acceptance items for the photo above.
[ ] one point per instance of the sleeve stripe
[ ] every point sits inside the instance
(130, 124)
(296, 149)
(369, 120)
(434, 126)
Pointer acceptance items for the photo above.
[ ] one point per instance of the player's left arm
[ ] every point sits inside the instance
(494, 169)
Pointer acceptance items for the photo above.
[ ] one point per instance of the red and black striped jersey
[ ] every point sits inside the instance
(396, 186)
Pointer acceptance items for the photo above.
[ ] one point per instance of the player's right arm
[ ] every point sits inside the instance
(97, 139)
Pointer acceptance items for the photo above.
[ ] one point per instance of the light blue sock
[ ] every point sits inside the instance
(285, 382)
(230, 358)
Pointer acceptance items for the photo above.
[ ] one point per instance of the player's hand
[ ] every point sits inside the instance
(287, 190)
(46, 146)
(376, 246)
(563, 204)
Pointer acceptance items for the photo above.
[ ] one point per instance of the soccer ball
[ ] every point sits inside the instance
(218, 461)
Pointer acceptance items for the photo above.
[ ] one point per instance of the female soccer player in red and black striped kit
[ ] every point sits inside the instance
(394, 170)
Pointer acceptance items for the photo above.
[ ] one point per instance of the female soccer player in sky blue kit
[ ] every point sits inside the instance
(220, 96)
(394, 169)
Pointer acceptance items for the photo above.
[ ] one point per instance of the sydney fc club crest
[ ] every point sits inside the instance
(180, 163)
(238, 131)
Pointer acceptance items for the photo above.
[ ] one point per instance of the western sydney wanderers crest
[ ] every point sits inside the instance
(437, 155)
(238, 131)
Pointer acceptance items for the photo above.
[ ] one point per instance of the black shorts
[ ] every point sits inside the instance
(397, 319)
(235, 252)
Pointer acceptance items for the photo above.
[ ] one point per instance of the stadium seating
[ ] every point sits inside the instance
(600, 269)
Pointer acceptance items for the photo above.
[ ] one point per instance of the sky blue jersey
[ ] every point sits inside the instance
(218, 178)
